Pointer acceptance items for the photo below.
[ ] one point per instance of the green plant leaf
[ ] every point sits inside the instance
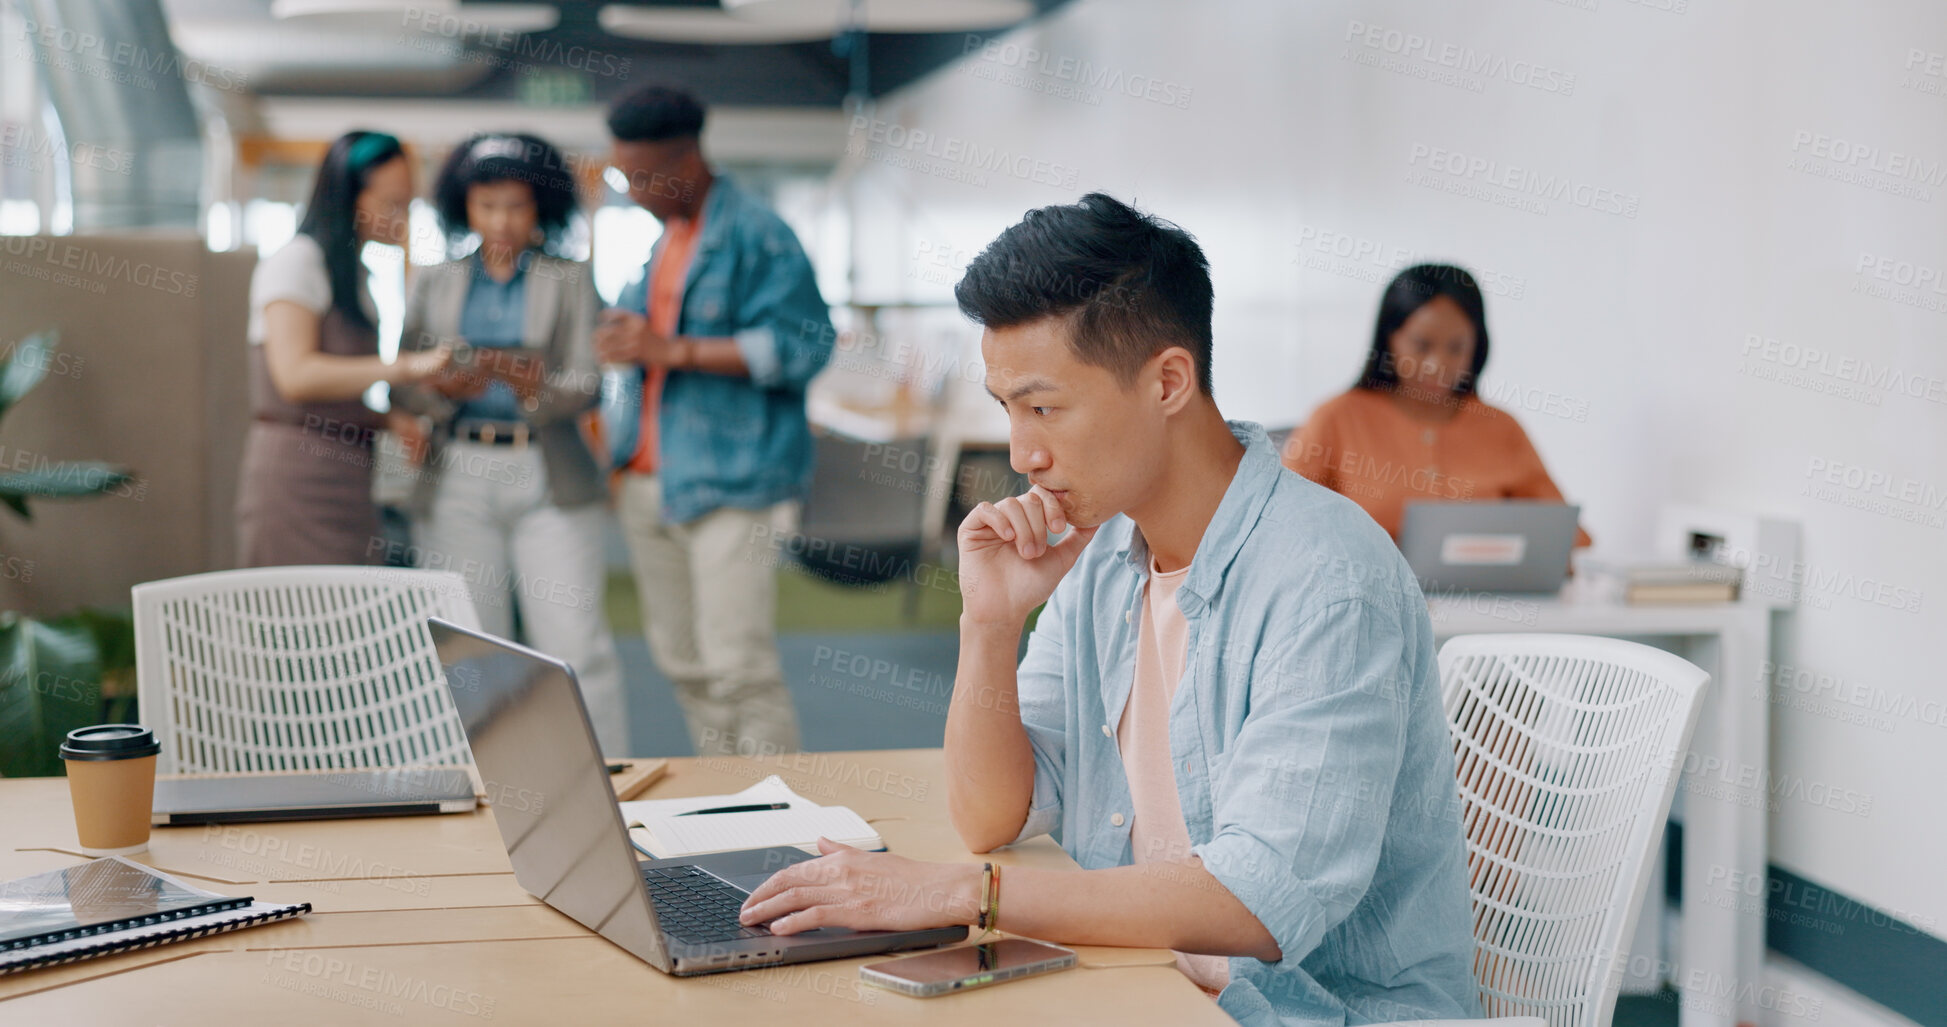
(25, 367)
(113, 631)
(65, 480)
(50, 676)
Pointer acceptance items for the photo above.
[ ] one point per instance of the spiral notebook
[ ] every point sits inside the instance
(114, 905)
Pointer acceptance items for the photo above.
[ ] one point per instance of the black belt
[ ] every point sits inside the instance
(494, 433)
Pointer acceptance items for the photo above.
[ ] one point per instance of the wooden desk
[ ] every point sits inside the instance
(420, 918)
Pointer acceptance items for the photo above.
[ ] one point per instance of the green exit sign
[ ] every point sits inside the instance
(554, 87)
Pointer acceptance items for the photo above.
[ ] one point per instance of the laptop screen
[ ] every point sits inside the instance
(547, 784)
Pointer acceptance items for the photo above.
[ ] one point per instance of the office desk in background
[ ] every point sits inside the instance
(420, 918)
(1720, 944)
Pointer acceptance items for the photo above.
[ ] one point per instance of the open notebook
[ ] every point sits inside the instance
(656, 828)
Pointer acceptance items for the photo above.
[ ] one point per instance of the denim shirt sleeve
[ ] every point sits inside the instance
(635, 295)
(1323, 743)
(783, 325)
(1044, 713)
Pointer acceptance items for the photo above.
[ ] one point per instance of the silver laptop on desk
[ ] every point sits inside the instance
(1512, 545)
(317, 795)
(556, 811)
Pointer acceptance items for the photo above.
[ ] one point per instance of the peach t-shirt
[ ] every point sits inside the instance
(1364, 447)
(1156, 830)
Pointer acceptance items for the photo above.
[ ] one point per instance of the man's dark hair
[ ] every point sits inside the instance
(1410, 290)
(655, 113)
(511, 157)
(1129, 284)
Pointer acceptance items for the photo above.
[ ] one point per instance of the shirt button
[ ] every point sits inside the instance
(1116, 819)
(1129, 616)
(1106, 732)
(1186, 766)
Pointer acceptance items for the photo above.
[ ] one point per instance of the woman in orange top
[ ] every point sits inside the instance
(1412, 428)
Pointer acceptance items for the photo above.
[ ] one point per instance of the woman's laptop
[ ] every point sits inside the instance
(1493, 546)
(550, 793)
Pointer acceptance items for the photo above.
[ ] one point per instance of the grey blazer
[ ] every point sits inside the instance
(560, 319)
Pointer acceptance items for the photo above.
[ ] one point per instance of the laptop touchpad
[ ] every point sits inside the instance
(747, 882)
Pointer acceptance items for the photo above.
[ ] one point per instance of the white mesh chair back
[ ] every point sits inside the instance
(1568, 750)
(298, 668)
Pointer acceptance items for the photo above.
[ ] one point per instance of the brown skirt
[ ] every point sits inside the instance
(305, 498)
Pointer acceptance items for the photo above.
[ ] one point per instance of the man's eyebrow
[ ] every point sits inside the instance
(1031, 385)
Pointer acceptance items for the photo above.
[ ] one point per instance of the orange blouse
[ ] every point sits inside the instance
(1364, 447)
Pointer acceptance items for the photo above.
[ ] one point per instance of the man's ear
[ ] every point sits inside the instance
(1176, 378)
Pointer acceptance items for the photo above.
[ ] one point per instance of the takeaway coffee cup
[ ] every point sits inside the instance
(111, 778)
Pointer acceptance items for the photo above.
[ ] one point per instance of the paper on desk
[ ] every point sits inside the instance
(724, 832)
(656, 824)
(771, 789)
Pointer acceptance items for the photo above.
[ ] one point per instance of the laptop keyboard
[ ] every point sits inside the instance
(695, 907)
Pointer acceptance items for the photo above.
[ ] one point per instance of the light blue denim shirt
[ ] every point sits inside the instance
(1311, 753)
(726, 440)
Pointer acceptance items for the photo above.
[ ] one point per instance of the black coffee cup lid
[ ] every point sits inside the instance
(110, 742)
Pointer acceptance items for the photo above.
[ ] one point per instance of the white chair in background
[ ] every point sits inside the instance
(1568, 749)
(297, 668)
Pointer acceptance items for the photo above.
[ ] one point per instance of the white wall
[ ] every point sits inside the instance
(1628, 334)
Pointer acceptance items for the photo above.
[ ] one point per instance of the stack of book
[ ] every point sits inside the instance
(1661, 581)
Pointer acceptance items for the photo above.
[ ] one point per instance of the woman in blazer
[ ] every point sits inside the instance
(510, 495)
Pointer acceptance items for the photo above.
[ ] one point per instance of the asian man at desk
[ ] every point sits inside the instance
(1241, 742)
(1413, 427)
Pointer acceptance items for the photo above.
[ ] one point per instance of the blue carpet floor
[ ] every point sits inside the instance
(853, 691)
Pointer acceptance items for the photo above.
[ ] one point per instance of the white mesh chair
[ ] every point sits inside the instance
(1568, 750)
(297, 668)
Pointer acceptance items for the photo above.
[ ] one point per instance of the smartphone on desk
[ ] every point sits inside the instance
(968, 966)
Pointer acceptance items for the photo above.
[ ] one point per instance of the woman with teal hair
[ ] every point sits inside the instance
(305, 494)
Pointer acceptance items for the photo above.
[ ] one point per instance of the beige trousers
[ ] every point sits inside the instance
(709, 609)
(491, 522)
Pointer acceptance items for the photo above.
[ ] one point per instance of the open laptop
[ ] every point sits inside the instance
(1500, 546)
(549, 789)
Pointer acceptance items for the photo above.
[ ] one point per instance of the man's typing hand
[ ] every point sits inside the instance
(867, 891)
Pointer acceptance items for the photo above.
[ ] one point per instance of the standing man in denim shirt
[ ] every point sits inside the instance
(1229, 706)
(717, 342)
